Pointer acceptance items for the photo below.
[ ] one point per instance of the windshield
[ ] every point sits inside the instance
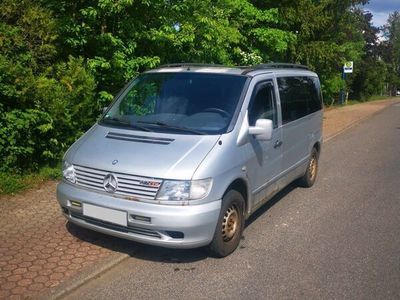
(187, 103)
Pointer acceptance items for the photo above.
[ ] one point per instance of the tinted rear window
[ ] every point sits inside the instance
(300, 96)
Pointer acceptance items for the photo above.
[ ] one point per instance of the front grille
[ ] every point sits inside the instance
(129, 229)
(128, 185)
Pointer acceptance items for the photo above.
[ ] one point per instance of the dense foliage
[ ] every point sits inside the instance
(61, 61)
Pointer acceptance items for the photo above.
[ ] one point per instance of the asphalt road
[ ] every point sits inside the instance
(337, 240)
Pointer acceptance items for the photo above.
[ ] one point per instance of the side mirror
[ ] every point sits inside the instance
(262, 130)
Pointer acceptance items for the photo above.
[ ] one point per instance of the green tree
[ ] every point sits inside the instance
(370, 72)
(390, 51)
(326, 36)
(122, 38)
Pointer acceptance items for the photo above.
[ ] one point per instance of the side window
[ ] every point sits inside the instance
(293, 98)
(300, 96)
(262, 104)
(315, 103)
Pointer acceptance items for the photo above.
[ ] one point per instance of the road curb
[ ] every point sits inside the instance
(82, 278)
(360, 120)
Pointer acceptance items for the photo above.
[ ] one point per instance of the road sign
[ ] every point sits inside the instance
(348, 67)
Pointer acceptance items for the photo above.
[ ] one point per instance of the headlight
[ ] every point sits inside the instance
(68, 172)
(172, 190)
(200, 188)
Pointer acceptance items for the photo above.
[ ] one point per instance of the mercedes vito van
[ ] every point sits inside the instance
(186, 152)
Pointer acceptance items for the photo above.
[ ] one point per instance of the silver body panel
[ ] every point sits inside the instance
(263, 168)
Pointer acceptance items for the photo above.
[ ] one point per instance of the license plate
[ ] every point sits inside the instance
(105, 214)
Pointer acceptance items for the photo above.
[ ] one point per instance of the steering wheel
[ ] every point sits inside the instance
(219, 111)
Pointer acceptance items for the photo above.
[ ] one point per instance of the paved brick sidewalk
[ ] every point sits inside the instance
(39, 249)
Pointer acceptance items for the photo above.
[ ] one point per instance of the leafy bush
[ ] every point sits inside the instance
(46, 102)
(331, 87)
(66, 93)
(63, 108)
(25, 139)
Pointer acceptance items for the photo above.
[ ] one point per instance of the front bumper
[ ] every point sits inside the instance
(169, 226)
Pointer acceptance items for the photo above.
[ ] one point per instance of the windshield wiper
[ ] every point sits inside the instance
(126, 123)
(165, 125)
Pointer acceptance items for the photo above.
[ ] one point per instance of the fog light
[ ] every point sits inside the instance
(141, 218)
(76, 203)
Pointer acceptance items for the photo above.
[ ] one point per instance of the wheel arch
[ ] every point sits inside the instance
(240, 185)
(317, 146)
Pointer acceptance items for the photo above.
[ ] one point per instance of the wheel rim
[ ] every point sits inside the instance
(230, 223)
(313, 167)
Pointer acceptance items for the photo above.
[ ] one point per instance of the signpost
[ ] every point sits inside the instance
(347, 68)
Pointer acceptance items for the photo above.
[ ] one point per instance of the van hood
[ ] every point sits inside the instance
(150, 154)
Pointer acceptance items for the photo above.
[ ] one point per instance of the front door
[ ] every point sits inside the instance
(266, 156)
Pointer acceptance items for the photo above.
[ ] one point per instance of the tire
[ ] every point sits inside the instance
(230, 225)
(309, 177)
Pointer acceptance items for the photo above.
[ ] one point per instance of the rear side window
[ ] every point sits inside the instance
(300, 96)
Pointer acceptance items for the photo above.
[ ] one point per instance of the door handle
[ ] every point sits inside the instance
(278, 143)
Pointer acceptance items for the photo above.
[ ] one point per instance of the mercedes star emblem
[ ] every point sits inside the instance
(110, 183)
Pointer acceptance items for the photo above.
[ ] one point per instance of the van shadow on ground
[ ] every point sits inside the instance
(159, 254)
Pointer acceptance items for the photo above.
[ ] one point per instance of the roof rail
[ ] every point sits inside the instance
(275, 66)
(188, 65)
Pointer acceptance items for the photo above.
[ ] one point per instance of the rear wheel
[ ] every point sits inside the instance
(310, 176)
(230, 225)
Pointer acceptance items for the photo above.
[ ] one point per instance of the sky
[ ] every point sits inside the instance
(381, 10)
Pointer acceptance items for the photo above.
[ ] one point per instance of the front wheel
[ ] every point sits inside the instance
(230, 225)
(308, 179)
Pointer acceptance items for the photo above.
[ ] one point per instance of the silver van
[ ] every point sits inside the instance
(187, 152)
